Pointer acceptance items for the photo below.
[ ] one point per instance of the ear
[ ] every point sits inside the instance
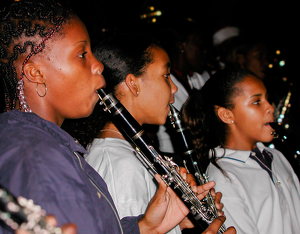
(240, 59)
(180, 47)
(225, 115)
(33, 73)
(132, 84)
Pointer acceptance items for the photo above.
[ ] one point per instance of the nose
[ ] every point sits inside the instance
(174, 88)
(270, 109)
(97, 69)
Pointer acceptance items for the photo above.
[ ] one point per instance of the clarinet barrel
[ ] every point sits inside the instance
(154, 162)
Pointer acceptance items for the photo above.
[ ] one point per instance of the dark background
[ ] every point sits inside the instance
(271, 20)
(274, 22)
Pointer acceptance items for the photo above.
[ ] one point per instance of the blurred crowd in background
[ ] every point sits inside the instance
(231, 32)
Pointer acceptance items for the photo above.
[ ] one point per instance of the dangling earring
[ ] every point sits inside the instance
(37, 91)
(22, 99)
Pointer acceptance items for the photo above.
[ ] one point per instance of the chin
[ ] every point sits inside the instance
(268, 139)
(87, 112)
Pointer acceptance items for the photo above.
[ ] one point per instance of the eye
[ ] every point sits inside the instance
(82, 55)
(256, 102)
(167, 75)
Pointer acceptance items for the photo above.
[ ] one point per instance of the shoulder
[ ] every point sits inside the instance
(116, 154)
(29, 154)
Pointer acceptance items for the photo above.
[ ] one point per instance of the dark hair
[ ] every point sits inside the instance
(199, 111)
(37, 21)
(121, 55)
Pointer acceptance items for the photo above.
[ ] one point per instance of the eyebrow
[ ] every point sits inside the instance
(256, 95)
(259, 95)
(84, 42)
(168, 65)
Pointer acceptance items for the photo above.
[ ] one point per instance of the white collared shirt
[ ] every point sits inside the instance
(252, 202)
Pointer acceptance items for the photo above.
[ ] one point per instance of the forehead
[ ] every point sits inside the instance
(258, 48)
(251, 85)
(195, 38)
(72, 27)
(71, 32)
(159, 54)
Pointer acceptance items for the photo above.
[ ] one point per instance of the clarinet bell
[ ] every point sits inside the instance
(278, 131)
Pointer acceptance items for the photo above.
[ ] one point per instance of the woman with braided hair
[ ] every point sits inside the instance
(49, 74)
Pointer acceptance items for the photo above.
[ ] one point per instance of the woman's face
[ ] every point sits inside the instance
(72, 75)
(194, 52)
(256, 60)
(252, 114)
(156, 90)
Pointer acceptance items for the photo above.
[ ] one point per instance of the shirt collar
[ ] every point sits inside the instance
(237, 155)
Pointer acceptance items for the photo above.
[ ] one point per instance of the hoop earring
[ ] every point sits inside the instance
(37, 91)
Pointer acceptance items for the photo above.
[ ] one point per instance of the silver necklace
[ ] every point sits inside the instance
(111, 130)
(277, 181)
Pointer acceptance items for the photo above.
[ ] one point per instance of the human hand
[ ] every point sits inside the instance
(215, 226)
(217, 198)
(166, 210)
(68, 228)
(189, 178)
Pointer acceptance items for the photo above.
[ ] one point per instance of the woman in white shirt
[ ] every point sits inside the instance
(229, 119)
(137, 71)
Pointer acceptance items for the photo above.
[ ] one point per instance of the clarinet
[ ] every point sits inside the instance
(189, 157)
(23, 213)
(152, 160)
(283, 142)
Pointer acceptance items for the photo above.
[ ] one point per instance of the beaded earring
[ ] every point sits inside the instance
(22, 99)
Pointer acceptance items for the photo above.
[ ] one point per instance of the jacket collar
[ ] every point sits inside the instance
(47, 126)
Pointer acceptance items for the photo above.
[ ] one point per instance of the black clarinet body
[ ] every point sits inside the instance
(189, 157)
(150, 157)
(186, 146)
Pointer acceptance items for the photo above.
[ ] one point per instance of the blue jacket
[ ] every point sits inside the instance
(40, 161)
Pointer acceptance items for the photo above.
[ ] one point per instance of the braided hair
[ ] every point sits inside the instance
(23, 25)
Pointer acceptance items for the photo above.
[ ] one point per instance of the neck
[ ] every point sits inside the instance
(237, 141)
(240, 147)
(236, 145)
(110, 131)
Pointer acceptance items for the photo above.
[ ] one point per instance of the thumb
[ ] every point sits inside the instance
(162, 188)
(69, 228)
